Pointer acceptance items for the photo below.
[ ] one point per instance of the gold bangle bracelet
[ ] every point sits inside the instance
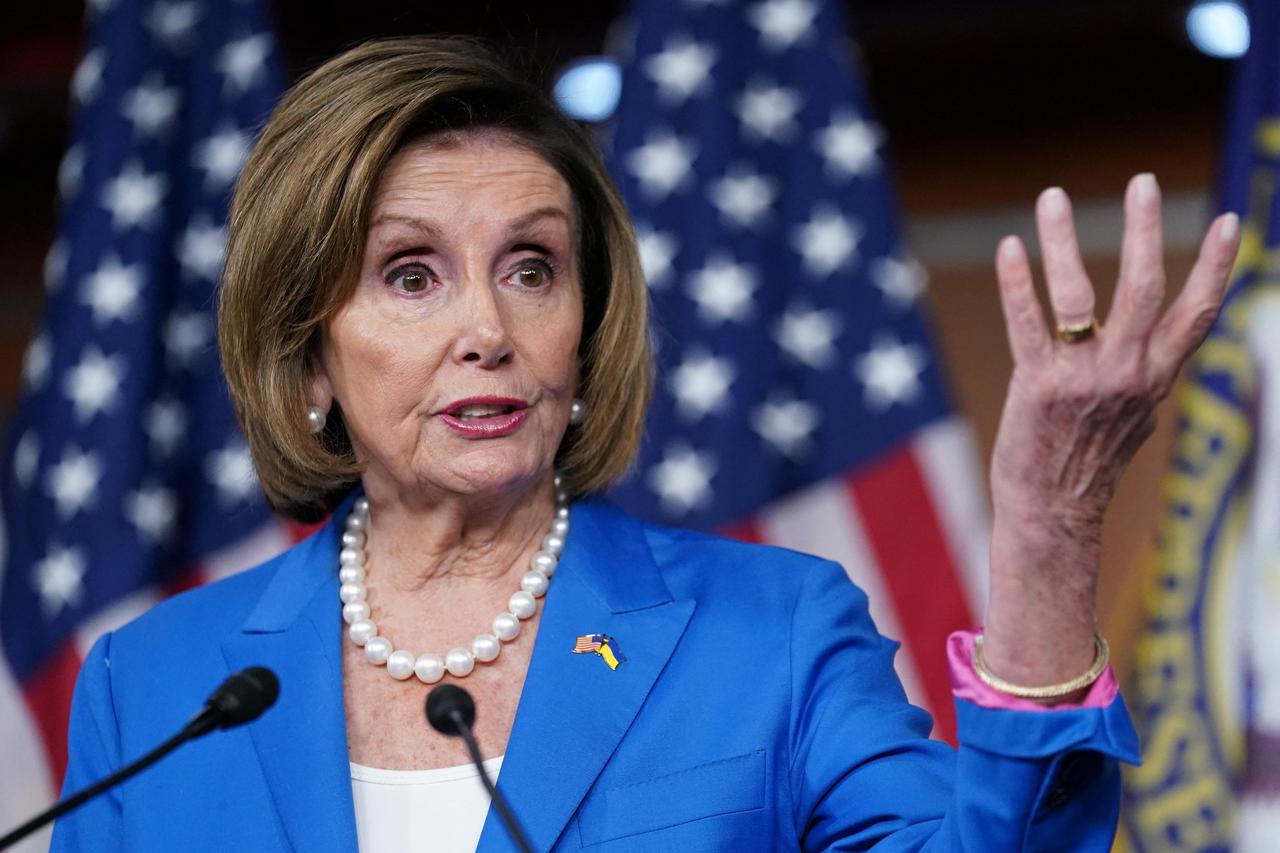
(1048, 691)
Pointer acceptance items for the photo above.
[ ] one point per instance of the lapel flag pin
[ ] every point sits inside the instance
(600, 644)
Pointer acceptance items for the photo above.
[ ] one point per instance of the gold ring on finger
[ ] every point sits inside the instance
(1074, 333)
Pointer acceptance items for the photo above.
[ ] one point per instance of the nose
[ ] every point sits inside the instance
(483, 336)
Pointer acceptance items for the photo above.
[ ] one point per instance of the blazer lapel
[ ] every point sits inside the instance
(574, 709)
(301, 742)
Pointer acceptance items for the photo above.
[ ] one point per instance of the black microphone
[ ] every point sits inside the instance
(451, 711)
(240, 699)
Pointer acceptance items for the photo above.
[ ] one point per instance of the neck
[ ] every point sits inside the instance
(485, 537)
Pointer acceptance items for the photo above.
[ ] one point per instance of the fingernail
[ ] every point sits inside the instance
(1008, 248)
(1054, 201)
(1230, 228)
(1145, 186)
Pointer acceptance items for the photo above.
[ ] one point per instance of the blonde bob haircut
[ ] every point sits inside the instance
(297, 233)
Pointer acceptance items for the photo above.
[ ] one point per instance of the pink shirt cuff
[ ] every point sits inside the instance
(966, 685)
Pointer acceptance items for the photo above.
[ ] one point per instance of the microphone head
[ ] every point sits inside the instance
(448, 707)
(244, 696)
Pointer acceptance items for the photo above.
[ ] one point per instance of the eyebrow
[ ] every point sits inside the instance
(521, 223)
(516, 227)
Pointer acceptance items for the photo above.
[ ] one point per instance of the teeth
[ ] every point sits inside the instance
(482, 411)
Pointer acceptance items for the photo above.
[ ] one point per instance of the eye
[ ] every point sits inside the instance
(411, 278)
(533, 273)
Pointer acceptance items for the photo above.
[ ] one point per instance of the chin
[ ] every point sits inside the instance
(496, 470)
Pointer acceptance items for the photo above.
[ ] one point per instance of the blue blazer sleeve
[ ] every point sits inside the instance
(94, 753)
(866, 777)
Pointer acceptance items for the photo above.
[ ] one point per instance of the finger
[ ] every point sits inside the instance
(1140, 290)
(1192, 314)
(1023, 320)
(1070, 293)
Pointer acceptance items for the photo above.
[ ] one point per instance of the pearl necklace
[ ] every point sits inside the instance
(459, 662)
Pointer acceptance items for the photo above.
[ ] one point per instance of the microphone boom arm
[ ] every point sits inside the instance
(59, 809)
(499, 801)
(240, 699)
(451, 711)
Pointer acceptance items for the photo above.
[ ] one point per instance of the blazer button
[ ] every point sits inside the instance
(1057, 798)
(1075, 771)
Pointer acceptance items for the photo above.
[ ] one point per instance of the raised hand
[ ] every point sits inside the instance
(1080, 402)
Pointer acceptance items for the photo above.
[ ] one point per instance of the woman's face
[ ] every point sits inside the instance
(455, 359)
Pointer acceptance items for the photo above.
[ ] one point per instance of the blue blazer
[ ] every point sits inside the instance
(757, 709)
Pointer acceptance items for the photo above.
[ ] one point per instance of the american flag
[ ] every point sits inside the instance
(799, 400)
(588, 643)
(124, 476)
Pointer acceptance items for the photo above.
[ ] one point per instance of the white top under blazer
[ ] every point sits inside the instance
(421, 811)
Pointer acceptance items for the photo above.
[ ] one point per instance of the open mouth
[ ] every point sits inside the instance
(479, 411)
(485, 417)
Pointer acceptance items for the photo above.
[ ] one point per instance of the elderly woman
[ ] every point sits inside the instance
(433, 326)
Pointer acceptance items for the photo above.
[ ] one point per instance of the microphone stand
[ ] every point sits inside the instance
(499, 802)
(451, 711)
(239, 699)
(59, 809)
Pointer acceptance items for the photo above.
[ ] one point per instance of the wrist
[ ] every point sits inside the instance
(1040, 617)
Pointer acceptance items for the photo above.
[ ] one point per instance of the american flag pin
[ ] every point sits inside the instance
(600, 644)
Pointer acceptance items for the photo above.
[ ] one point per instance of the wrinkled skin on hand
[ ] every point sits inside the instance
(1074, 416)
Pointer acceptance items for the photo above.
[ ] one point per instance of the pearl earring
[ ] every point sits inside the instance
(577, 411)
(316, 418)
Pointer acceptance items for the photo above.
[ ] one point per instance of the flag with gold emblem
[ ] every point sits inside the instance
(1207, 701)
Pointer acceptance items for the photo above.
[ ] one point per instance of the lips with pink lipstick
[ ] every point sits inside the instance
(485, 417)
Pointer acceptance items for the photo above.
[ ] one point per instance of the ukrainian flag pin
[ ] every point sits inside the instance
(600, 644)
